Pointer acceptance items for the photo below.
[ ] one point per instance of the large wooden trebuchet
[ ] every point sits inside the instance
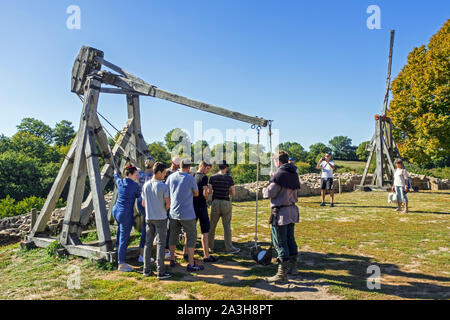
(82, 160)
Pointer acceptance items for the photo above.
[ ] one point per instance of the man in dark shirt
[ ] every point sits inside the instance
(221, 185)
(201, 208)
(174, 166)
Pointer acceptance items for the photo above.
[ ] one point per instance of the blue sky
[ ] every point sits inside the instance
(316, 70)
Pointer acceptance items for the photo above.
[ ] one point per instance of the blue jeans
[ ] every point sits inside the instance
(401, 194)
(143, 231)
(125, 222)
(284, 241)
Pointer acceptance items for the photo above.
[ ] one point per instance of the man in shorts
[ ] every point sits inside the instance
(182, 189)
(327, 166)
(201, 208)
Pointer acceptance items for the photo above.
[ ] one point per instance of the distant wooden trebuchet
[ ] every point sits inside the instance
(82, 158)
(382, 143)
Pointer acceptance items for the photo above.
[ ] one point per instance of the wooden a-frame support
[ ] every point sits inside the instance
(382, 142)
(82, 159)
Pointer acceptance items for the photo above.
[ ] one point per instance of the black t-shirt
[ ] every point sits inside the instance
(221, 184)
(169, 171)
(202, 181)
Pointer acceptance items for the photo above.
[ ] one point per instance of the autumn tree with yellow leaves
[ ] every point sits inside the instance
(420, 108)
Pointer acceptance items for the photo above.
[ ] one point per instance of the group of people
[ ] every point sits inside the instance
(173, 200)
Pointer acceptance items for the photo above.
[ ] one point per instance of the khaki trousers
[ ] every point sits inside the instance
(221, 209)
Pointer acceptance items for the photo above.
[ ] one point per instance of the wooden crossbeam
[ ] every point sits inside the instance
(56, 190)
(144, 88)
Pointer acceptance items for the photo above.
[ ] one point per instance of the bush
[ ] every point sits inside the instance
(442, 173)
(9, 207)
(303, 167)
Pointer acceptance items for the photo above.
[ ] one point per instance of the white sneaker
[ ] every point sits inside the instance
(125, 268)
(141, 259)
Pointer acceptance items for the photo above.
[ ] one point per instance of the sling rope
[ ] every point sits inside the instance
(258, 130)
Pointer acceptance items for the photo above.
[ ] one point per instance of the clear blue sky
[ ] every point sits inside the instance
(316, 69)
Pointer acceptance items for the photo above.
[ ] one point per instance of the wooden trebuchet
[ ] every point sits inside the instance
(382, 143)
(82, 160)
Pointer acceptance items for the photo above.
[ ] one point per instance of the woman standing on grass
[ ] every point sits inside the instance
(400, 185)
(123, 211)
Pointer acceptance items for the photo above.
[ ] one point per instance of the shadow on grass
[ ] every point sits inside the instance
(427, 212)
(316, 269)
(317, 264)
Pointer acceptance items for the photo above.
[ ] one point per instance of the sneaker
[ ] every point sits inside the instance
(405, 211)
(141, 259)
(234, 250)
(210, 259)
(331, 204)
(322, 204)
(148, 274)
(195, 267)
(164, 275)
(125, 268)
(397, 209)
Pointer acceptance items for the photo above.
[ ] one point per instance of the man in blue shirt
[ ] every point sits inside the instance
(183, 188)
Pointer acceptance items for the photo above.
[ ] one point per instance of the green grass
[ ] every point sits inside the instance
(336, 247)
(350, 164)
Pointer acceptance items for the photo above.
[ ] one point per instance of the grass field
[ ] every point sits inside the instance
(350, 164)
(337, 245)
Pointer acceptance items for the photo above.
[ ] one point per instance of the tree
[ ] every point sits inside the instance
(21, 175)
(295, 150)
(33, 146)
(315, 151)
(36, 128)
(179, 139)
(5, 143)
(244, 173)
(420, 107)
(63, 133)
(342, 148)
(159, 152)
(361, 152)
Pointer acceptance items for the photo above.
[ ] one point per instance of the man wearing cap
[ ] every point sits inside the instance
(183, 188)
(222, 186)
(175, 165)
(292, 162)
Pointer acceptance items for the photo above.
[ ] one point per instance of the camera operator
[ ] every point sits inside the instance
(327, 166)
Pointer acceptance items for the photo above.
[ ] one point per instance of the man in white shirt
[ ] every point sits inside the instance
(327, 167)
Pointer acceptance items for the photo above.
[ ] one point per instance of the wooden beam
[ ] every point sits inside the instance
(379, 152)
(107, 171)
(150, 90)
(56, 190)
(388, 78)
(79, 171)
(98, 200)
